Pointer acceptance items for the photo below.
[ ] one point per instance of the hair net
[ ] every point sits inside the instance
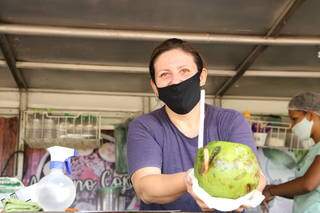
(306, 101)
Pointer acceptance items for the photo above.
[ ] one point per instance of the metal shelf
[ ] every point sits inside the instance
(277, 135)
(76, 130)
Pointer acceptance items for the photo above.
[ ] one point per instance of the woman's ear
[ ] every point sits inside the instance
(203, 76)
(311, 116)
(314, 116)
(154, 88)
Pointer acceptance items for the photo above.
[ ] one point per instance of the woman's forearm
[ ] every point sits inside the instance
(161, 188)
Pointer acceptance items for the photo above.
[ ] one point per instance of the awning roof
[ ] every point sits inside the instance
(100, 45)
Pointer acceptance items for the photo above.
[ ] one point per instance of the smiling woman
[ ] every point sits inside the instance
(162, 144)
(177, 72)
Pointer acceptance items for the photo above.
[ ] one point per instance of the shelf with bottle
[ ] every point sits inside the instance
(76, 130)
(273, 134)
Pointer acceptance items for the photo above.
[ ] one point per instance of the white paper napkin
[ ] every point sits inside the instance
(252, 199)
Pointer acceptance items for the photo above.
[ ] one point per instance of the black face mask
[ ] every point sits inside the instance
(181, 98)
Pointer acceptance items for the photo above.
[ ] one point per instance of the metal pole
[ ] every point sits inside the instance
(11, 62)
(154, 35)
(144, 70)
(22, 128)
(3, 63)
(82, 67)
(259, 49)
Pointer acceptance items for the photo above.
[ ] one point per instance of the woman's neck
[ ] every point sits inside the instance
(188, 123)
(190, 116)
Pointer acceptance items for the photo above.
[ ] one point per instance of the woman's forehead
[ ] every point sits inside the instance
(174, 58)
(296, 112)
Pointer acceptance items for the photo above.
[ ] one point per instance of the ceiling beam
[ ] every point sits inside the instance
(11, 62)
(83, 67)
(274, 31)
(145, 70)
(14, 29)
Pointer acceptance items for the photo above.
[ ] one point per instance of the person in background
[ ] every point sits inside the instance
(304, 112)
(162, 144)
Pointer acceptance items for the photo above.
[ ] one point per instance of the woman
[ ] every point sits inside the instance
(304, 112)
(162, 144)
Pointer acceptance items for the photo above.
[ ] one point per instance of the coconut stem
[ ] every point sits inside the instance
(214, 154)
(206, 160)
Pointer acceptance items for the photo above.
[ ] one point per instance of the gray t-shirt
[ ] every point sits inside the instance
(154, 141)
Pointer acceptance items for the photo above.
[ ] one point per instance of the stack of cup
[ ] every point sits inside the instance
(108, 198)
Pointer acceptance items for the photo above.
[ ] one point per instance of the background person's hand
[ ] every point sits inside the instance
(264, 207)
(268, 196)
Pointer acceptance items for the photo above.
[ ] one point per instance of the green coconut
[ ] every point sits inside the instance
(227, 169)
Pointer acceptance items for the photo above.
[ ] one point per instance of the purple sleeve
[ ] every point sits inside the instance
(143, 150)
(240, 132)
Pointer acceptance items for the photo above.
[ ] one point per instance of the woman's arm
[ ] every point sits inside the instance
(153, 187)
(301, 185)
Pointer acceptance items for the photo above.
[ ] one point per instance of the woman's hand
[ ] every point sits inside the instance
(262, 182)
(204, 207)
(200, 203)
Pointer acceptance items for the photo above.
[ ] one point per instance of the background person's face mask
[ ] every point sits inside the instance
(306, 144)
(303, 129)
(182, 98)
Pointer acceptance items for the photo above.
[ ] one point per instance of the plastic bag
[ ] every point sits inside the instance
(252, 199)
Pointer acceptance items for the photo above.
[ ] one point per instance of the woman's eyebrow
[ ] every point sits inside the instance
(164, 70)
(182, 66)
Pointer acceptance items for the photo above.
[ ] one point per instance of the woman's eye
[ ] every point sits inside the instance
(185, 70)
(163, 75)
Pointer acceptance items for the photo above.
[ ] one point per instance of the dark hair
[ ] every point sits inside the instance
(170, 44)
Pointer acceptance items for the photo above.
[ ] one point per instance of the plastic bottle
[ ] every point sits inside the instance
(56, 191)
(88, 128)
(35, 130)
(247, 115)
(79, 127)
(62, 129)
(49, 129)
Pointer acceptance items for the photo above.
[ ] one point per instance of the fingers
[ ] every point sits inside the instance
(264, 207)
(262, 182)
(188, 179)
(267, 194)
(241, 208)
(201, 204)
